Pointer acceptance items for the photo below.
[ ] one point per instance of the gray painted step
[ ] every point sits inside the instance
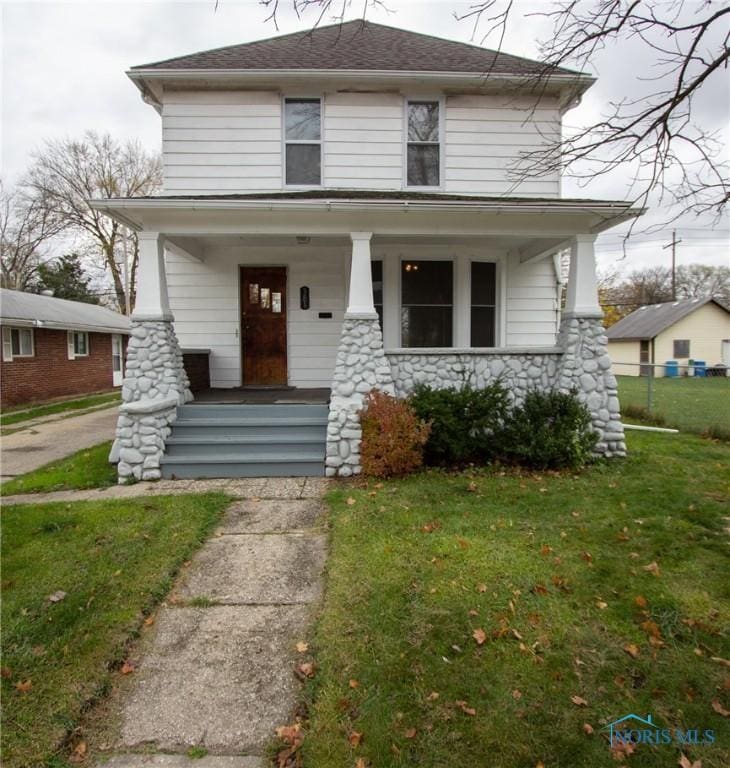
(283, 465)
(247, 441)
(252, 411)
(292, 443)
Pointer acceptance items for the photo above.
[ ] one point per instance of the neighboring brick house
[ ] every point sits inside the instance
(54, 347)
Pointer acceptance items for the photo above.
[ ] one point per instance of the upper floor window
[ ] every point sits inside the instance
(17, 342)
(303, 141)
(423, 162)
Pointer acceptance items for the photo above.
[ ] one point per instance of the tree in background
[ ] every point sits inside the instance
(653, 285)
(66, 173)
(65, 276)
(26, 226)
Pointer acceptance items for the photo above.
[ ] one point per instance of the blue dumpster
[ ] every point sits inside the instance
(700, 368)
(671, 369)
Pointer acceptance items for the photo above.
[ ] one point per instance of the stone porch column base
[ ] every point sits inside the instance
(586, 368)
(155, 384)
(361, 367)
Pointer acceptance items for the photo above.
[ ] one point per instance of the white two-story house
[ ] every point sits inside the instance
(343, 210)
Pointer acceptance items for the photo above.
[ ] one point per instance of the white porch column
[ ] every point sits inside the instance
(152, 301)
(582, 292)
(360, 300)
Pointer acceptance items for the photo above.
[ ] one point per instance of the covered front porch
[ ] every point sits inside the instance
(342, 296)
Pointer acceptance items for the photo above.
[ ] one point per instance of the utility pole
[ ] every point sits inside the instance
(673, 245)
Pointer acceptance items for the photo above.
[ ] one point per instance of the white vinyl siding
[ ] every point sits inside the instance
(484, 135)
(221, 141)
(363, 140)
(204, 298)
(531, 303)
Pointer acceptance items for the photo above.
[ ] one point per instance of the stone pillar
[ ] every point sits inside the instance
(361, 366)
(155, 382)
(585, 365)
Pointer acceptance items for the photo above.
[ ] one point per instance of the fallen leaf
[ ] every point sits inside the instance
(465, 708)
(354, 683)
(622, 749)
(463, 543)
(410, 733)
(127, 668)
(632, 649)
(516, 694)
(480, 636)
(481, 587)
(579, 701)
(718, 660)
(355, 738)
(539, 764)
(539, 589)
(587, 556)
(651, 628)
(350, 501)
(306, 668)
(640, 601)
(302, 647)
(719, 708)
(6, 672)
(432, 696)
(23, 686)
(434, 525)
(360, 763)
(545, 550)
(685, 762)
(587, 729)
(600, 604)
(79, 753)
(472, 487)
(473, 612)
(149, 621)
(57, 596)
(652, 568)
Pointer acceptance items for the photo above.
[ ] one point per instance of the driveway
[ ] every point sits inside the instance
(29, 449)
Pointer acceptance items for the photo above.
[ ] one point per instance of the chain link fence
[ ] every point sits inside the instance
(691, 397)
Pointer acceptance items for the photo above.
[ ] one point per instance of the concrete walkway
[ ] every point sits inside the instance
(31, 448)
(217, 671)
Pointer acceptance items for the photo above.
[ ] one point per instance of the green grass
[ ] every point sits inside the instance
(16, 416)
(115, 560)
(88, 468)
(687, 403)
(507, 554)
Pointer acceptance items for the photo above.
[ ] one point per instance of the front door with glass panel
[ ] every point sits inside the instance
(263, 326)
(117, 360)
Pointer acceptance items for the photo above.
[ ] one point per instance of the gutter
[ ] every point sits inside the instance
(52, 325)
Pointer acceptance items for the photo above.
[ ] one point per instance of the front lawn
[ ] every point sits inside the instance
(503, 619)
(24, 413)
(88, 468)
(78, 580)
(688, 403)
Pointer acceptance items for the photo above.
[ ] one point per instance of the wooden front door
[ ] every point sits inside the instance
(263, 326)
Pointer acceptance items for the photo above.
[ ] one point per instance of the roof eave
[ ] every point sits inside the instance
(51, 325)
(149, 81)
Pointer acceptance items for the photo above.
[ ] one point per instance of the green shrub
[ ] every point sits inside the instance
(551, 430)
(463, 422)
(392, 436)
(642, 413)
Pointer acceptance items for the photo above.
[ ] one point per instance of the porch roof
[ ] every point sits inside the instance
(381, 212)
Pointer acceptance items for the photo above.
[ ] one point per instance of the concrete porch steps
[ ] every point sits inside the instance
(247, 441)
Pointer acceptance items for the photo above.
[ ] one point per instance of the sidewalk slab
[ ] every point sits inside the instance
(256, 569)
(270, 515)
(183, 761)
(219, 677)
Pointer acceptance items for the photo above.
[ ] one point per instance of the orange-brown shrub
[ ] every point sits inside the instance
(393, 436)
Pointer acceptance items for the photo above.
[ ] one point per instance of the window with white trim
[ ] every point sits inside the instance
(78, 344)
(423, 150)
(17, 342)
(303, 142)
(427, 303)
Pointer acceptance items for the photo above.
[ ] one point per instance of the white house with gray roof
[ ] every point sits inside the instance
(341, 212)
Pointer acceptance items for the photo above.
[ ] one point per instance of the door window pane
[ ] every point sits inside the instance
(427, 291)
(483, 303)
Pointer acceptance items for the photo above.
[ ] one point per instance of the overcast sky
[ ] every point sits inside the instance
(63, 68)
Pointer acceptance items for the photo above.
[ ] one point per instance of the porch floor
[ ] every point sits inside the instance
(264, 396)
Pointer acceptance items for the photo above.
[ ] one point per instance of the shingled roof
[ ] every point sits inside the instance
(356, 45)
(649, 321)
